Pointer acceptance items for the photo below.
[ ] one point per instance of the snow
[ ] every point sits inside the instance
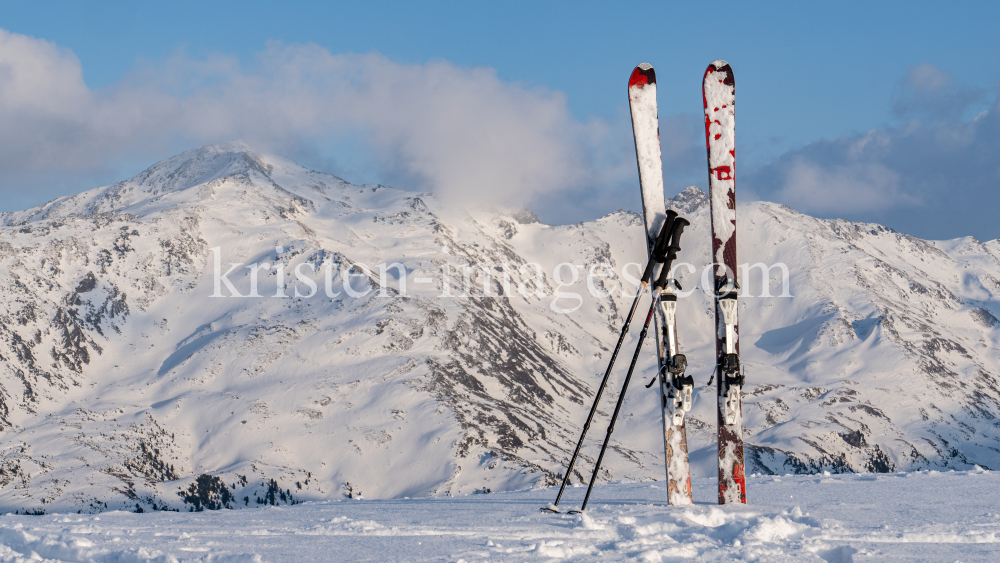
(848, 518)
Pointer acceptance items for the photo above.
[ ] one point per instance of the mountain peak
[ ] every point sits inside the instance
(199, 166)
(688, 201)
(186, 170)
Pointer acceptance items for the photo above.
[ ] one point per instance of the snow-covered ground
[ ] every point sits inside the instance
(919, 516)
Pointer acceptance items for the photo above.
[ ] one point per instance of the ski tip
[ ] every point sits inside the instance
(642, 75)
(551, 508)
(722, 66)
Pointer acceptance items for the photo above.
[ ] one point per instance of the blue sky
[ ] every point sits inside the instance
(852, 110)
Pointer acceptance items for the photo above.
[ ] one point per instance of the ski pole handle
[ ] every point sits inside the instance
(675, 245)
(660, 247)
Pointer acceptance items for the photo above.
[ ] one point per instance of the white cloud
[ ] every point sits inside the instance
(841, 189)
(462, 132)
(930, 94)
(935, 174)
(856, 181)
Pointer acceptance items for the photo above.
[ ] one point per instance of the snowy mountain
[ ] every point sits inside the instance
(144, 365)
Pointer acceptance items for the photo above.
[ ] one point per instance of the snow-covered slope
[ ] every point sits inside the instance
(124, 382)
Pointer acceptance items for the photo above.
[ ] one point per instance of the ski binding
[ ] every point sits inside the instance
(729, 364)
(734, 384)
(679, 391)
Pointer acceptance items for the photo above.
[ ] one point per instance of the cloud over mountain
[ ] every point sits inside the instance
(934, 175)
(461, 132)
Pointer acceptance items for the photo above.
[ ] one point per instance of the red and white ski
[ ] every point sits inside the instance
(674, 400)
(719, 91)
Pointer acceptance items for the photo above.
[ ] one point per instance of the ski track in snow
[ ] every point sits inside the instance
(920, 516)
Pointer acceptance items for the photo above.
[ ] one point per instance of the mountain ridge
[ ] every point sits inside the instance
(126, 385)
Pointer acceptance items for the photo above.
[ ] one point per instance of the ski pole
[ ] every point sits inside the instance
(660, 250)
(618, 406)
(676, 229)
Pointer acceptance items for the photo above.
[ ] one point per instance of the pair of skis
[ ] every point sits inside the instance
(663, 251)
(719, 97)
